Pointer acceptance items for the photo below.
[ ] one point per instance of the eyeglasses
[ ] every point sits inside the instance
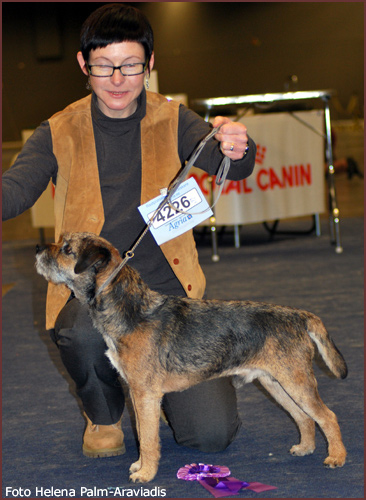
(125, 69)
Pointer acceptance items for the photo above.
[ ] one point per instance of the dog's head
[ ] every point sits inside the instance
(79, 261)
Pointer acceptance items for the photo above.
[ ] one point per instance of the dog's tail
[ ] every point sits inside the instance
(326, 347)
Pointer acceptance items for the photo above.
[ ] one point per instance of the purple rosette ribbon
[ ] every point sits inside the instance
(214, 478)
(195, 472)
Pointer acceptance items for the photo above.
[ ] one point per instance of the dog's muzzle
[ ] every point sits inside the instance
(41, 257)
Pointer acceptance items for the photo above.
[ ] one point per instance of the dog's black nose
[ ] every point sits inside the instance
(40, 248)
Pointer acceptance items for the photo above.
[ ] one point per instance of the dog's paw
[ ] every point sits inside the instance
(141, 476)
(136, 466)
(299, 450)
(333, 462)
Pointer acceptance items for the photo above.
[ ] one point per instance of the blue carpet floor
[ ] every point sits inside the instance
(42, 420)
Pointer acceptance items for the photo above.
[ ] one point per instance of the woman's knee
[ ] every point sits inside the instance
(211, 438)
(82, 347)
(204, 417)
(74, 329)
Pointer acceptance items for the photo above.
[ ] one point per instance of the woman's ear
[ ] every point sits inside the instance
(151, 63)
(82, 63)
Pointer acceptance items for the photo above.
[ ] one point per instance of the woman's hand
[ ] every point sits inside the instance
(232, 136)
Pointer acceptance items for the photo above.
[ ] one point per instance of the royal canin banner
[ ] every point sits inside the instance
(288, 178)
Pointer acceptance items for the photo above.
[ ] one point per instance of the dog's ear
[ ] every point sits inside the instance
(92, 256)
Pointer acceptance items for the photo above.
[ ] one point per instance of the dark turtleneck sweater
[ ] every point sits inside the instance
(118, 146)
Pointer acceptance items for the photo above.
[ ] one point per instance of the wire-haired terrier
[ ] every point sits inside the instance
(160, 343)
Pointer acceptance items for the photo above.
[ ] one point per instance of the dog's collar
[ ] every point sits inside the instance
(111, 277)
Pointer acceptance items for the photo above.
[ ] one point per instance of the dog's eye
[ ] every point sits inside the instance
(67, 249)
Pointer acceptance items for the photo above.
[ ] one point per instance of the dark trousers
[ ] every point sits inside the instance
(203, 417)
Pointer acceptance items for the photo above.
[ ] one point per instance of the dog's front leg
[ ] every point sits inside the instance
(147, 411)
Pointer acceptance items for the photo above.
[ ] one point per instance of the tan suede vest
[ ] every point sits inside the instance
(78, 199)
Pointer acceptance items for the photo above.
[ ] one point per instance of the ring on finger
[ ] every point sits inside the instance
(232, 147)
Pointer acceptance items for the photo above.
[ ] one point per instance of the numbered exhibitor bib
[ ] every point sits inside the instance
(170, 222)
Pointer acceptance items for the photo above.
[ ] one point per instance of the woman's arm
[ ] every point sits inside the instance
(30, 174)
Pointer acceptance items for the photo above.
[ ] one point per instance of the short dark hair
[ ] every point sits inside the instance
(115, 23)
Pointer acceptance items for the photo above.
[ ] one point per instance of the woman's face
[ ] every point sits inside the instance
(117, 94)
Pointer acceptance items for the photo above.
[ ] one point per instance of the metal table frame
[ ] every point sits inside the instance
(251, 100)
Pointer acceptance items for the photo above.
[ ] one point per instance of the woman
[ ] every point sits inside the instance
(107, 154)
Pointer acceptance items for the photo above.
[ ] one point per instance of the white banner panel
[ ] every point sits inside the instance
(288, 178)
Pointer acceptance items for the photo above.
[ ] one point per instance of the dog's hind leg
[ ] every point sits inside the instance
(305, 424)
(301, 386)
(147, 410)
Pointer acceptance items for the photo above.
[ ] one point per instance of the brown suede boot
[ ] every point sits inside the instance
(103, 440)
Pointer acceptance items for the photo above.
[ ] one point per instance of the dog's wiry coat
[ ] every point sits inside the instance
(161, 344)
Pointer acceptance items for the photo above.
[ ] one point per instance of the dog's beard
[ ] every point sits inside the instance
(83, 285)
(48, 268)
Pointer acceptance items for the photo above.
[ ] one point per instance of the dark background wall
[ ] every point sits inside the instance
(203, 49)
